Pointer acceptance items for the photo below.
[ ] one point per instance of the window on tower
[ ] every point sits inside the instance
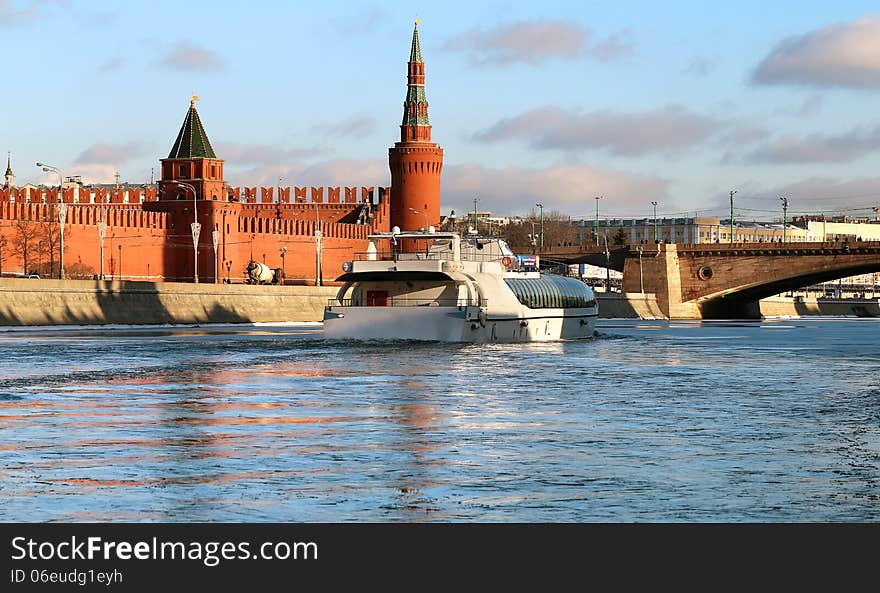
(184, 171)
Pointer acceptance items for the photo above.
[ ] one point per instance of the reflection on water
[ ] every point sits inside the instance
(651, 421)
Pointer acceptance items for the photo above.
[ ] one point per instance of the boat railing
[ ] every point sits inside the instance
(422, 256)
(407, 302)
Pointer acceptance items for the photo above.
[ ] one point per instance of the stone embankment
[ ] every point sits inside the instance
(28, 302)
(36, 302)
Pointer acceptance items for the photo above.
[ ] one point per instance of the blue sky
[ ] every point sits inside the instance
(552, 102)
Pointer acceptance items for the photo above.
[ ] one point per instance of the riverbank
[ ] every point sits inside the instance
(644, 306)
(40, 302)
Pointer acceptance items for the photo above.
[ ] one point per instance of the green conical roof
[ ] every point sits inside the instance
(415, 54)
(8, 164)
(415, 91)
(192, 141)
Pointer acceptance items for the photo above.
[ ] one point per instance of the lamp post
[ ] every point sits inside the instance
(641, 281)
(62, 212)
(119, 273)
(475, 213)
(282, 251)
(215, 236)
(541, 206)
(784, 216)
(597, 219)
(656, 238)
(228, 268)
(423, 213)
(731, 215)
(102, 233)
(196, 229)
(319, 248)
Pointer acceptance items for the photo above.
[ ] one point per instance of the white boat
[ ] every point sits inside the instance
(442, 286)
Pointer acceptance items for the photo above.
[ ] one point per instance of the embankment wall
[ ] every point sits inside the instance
(26, 302)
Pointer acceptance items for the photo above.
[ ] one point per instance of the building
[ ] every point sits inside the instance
(691, 230)
(194, 226)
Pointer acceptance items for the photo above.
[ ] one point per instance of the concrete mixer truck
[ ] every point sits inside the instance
(258, 273)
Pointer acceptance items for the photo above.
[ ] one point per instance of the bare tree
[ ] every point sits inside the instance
(25, 241)
(50, 238)
(3, 251)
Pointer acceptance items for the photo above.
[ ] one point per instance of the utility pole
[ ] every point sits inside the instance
(541, 206)
(731, 215)
(656, 237)
(597, 219)
(784, 216)
(475, 213)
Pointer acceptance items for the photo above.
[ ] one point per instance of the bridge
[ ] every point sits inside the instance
(725, 281)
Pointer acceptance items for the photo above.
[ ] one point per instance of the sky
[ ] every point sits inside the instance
(552, 102)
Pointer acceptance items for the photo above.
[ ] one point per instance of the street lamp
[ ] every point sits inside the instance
(215, 236)
(319, 248)
(784, 216)
(731, 215)
(475, 213)
(597, 219)
(641, 282)
(283, 250)
(423, 213)
(196, 228)
(656, 238)
(102, 233)
(541, 206)
(62, 212)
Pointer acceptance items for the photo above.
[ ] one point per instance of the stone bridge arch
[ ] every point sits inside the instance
(727, 281)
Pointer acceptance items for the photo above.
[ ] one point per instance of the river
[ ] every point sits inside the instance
(650, 421)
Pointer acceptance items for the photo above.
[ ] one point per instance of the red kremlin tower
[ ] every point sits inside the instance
(415, 161)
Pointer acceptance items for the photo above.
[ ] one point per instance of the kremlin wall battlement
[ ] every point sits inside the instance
(137, 194)
(147, 242)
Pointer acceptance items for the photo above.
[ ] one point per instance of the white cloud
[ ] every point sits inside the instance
(842, 54)
(567, 188)
(110, 154)
(813, 148)
(192, 57)
(532, 42)
(672, 128)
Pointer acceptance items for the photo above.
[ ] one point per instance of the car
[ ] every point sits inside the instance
(33, 276)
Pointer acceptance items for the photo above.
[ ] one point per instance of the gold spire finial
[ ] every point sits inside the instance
(192, 102)
(418, 21)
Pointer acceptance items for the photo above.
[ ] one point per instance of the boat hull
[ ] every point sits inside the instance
(456, 324)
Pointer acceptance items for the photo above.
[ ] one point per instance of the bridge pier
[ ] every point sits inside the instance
(659, 273)
(718, 281)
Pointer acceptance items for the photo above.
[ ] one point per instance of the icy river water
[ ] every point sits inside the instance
(651, 421)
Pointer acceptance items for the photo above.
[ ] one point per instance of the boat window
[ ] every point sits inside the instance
(552, 292)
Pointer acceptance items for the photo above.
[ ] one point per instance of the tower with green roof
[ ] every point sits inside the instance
(192, 162)
(415, 162)
(192, 189)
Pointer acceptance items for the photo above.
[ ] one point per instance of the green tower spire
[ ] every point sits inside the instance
(415, 54)
(415, 108)
(192, 141)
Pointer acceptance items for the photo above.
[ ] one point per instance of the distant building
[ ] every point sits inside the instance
(692, 230)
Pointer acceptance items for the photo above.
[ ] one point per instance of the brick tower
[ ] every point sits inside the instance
(415, 161)
(192, 161)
